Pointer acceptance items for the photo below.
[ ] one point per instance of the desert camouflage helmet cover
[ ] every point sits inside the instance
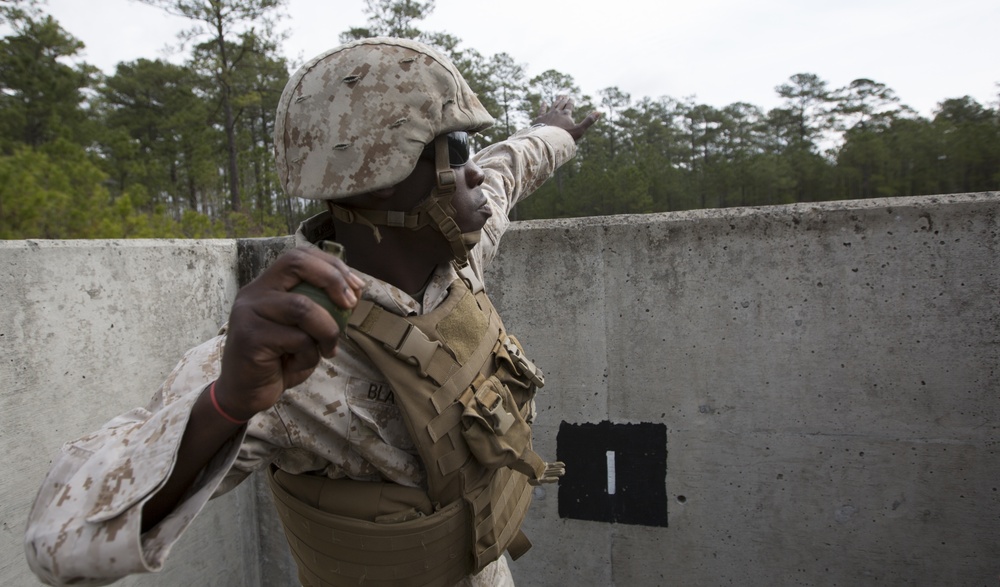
(356, 118)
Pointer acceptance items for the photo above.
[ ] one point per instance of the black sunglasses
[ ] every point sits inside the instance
(459, 151)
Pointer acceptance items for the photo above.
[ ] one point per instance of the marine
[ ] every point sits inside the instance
(413, 419)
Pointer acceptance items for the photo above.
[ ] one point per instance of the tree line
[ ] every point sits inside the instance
(157, 149)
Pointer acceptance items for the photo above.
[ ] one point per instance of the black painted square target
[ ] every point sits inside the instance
(614, 472)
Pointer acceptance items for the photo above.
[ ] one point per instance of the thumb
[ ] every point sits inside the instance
(590, 119)
(585, 124)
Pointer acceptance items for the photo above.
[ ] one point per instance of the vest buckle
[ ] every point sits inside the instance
(523, 364)
(492, 404)
(417, 349)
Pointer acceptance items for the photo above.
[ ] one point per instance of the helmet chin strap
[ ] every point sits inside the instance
(436, 210)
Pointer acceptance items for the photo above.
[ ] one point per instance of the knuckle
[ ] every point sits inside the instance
(298, 308)
(242, 304)
(296, 259)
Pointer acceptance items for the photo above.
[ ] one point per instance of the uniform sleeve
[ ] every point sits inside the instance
(84, 527)
(514, 169)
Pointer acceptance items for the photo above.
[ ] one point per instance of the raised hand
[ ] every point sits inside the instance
(560, 114)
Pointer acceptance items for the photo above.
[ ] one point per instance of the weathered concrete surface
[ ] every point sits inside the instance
(274, 561)
(826, 373)
(89, 329)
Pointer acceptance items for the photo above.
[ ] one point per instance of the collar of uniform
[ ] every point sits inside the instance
(399, 302)
(314, 229)
(437, 289)
(384, 294)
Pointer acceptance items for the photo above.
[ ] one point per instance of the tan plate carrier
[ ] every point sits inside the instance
(467, 396)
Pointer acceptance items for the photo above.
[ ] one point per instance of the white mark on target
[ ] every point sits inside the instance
(611, 472)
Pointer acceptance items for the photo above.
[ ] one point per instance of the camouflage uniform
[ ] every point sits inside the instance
(85, 523)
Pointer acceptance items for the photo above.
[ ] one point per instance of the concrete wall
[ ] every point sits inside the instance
(88, 330)
(825, 374)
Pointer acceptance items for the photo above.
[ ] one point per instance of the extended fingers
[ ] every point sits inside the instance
(563, 104)
(561, 115)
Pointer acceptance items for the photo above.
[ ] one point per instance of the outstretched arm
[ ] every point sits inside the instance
(560, 114)
(519, 165)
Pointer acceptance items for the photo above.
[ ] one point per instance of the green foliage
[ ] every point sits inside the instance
(50, 193)
(233, 29)
(156, 133)
(184, 151)
(40, 96)
(390, 18)
(969, 143)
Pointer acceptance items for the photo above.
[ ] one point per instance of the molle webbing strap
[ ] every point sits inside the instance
(333, 550)
(404, 340)
(452, 389)
(431, 423)
(507, 498)
(519, 545)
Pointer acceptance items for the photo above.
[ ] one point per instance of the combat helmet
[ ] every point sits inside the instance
(356, 119)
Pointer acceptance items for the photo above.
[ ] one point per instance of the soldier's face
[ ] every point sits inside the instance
(472, 209)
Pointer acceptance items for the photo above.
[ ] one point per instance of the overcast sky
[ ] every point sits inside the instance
(719, 51)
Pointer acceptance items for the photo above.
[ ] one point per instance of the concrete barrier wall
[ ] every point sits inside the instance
(821, 377)
(89, 329)
(826, 374)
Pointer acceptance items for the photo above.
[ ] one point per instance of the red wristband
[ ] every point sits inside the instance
(218, 408)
